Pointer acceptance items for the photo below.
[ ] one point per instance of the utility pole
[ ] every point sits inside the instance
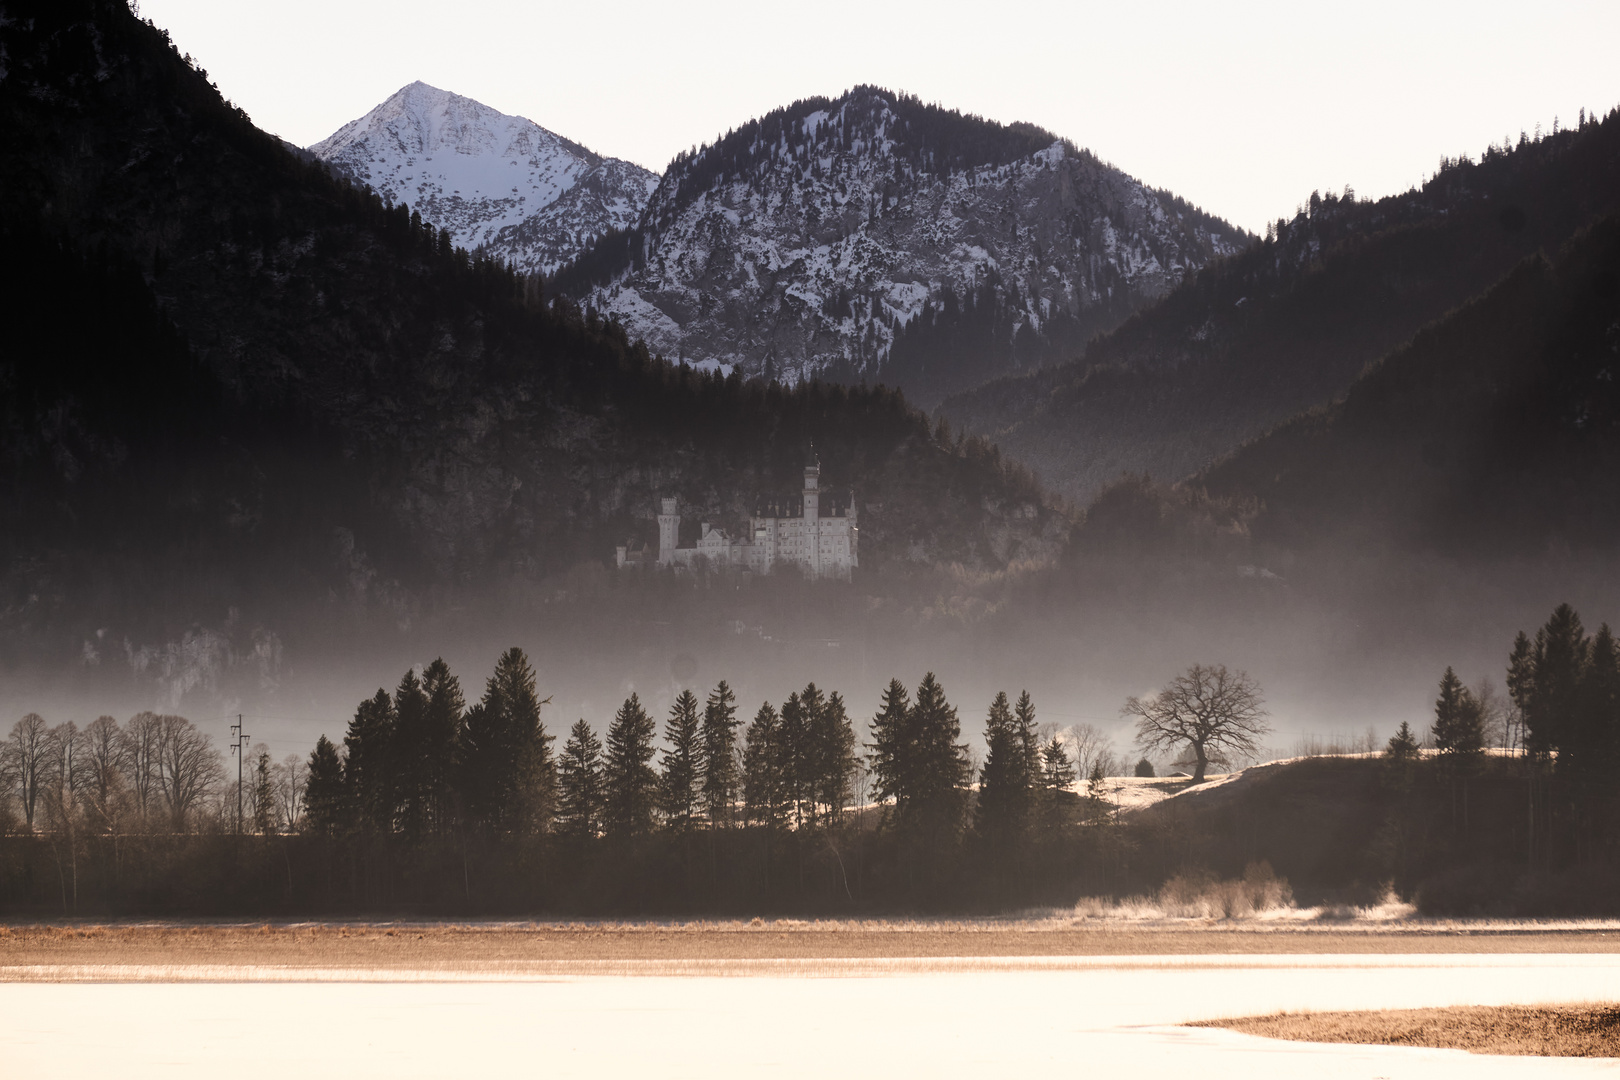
(239, 742)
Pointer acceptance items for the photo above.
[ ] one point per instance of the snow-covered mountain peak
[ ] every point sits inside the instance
(497, 182)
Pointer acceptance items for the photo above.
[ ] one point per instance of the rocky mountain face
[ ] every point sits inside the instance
(873, 237)
(1289, 324)
(236, 383)
(501, 185)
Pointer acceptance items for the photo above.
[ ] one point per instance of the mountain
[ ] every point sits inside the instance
(873, 237)
(1495, 431)
(250, 411)
(500, 184)
(1288, 324)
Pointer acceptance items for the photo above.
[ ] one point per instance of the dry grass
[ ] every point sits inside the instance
(538, 948)
(1545, 1031)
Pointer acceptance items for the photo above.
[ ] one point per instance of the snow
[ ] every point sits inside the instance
(488, 177)
(1102, 1016)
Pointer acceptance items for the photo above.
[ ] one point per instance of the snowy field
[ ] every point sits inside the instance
(1071, 1016)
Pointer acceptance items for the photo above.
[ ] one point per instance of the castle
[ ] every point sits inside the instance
(820, 537)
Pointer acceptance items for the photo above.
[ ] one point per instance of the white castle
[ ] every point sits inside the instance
(820, 538)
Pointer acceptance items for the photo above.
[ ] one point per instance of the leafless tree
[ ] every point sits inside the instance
(1090, 748)
(1209, 710)
(61, 780)
(143, 737)
(26, 761)
(288, 779)
(105, 753)
(1498, 715)
(188, 766)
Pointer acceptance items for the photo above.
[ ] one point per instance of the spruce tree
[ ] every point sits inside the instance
(367, 773)
(1458, 725)
(326, 794)
(835, 742)
(1558, 660)
(628, 778)
(1057, 777)
(1030, 740)
(409, 755)
(1403, 744)
(764, 783)
(440, 743)
(719, 755)
(1594, 741)
(890, 748)
(580, 794)
(1002, 782)
(682, 762)
(940, 769)
(264, 796)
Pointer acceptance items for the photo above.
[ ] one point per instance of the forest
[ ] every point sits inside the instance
(432, 804)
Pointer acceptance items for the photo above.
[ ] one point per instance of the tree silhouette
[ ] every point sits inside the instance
(1207, 710)
(628, 778)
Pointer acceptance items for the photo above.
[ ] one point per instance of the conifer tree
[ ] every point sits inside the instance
(1057, 777)
(1558, 661)
(441, 739)
(940, 767)
(793, 753)
(1403, 744)
(1003, 781)
(682, 762)
(1030, 740)
(719, 755)
(580, 794)
(367, 773)
(264, 796)
(890, 748)
(409, 756)
(508, 778)
(764, 784)
(835, 740)
(1594, 740)
(628, 778)
(326, 794)
(1458, 725)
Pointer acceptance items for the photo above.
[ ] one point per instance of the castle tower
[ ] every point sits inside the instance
(812, 515)
(669, 532)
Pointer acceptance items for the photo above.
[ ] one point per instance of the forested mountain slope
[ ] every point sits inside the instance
(237, 383)
(502, 185)
(872, 237)
(1496, 431)
(1289, 323)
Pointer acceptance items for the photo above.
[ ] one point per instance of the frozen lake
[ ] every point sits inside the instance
(1079, 1017)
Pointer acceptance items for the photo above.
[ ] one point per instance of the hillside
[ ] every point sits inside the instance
(1496, 431)
(1290, 323)
(872, 237)
(246, 397)
(501, 185)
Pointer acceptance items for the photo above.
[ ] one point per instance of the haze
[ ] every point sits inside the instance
(1243, 109)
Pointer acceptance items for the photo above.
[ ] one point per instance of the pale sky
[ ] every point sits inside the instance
(1242, 108)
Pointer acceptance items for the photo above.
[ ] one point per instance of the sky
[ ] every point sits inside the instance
(1242, 108)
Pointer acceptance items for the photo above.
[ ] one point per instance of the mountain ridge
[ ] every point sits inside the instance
(502, 185)
(826, 238)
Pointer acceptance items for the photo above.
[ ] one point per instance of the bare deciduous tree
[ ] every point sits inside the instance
(105, 754)
(188, 766)
(143, 736)
(26, 761)
(288, 780)
(1208, 710)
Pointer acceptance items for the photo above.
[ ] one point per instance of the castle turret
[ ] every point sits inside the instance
(669, 532)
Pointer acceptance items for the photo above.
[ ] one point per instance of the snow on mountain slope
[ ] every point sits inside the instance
(496, 182)
(873, 237)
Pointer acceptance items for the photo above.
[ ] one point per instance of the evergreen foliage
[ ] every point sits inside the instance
(683, 762)
(326, 797)
(629, 780)
(581, 796)
(720, 774)
(1458, 731)
(765, 784)
(1403, 745)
